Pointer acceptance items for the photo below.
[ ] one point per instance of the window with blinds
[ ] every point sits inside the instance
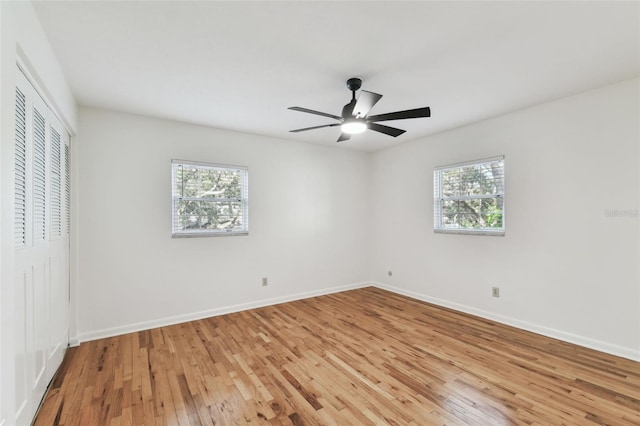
(55, 227)
(469, 197)
(20, 171)
(209, 199)
(39, 177)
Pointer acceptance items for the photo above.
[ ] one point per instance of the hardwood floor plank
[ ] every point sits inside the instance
(364, 357)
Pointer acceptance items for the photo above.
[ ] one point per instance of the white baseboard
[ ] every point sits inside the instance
(162, 322)
(587, 342)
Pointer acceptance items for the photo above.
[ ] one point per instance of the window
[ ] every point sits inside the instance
(209, 199)
(469, 197)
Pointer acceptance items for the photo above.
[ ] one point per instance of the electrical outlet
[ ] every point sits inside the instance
(390, 272)
(265, 282)
(495, 291)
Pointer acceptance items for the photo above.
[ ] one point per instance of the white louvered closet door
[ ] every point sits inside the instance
(41, 225)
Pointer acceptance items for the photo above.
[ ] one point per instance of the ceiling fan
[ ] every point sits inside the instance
(354, 118)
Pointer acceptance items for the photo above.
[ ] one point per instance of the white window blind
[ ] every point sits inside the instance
(55, 227)
(39, 177)
(20, 171)
(469, 197)
(67, 187)
(209, 199)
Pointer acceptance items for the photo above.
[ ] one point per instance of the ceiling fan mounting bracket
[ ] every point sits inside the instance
(354, 84)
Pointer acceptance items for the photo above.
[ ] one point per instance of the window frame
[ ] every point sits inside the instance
(243, 200)
(438, 199)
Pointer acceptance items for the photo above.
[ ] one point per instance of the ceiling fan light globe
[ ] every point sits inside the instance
(353, 127)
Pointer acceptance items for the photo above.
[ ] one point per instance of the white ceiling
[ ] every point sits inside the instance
(239, 65)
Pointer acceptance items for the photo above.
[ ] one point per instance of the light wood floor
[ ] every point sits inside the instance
(360, 357)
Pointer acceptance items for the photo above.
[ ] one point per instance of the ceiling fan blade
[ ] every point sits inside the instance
(347, 110)
(314, 127)
(402, 115)
(310, 111)
(391, 131)
(366, 101)
(344, 137)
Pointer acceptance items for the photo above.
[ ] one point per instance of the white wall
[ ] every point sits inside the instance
(308, 220)
(565, 268)
(21, 37)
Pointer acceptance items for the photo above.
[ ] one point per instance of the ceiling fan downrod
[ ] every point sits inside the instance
(354, 84)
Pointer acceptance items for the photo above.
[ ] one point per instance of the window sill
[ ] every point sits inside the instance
(209, 234)
(469, 232)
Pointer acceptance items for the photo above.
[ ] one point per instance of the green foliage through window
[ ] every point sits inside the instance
(470, 197)
(209, 199)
